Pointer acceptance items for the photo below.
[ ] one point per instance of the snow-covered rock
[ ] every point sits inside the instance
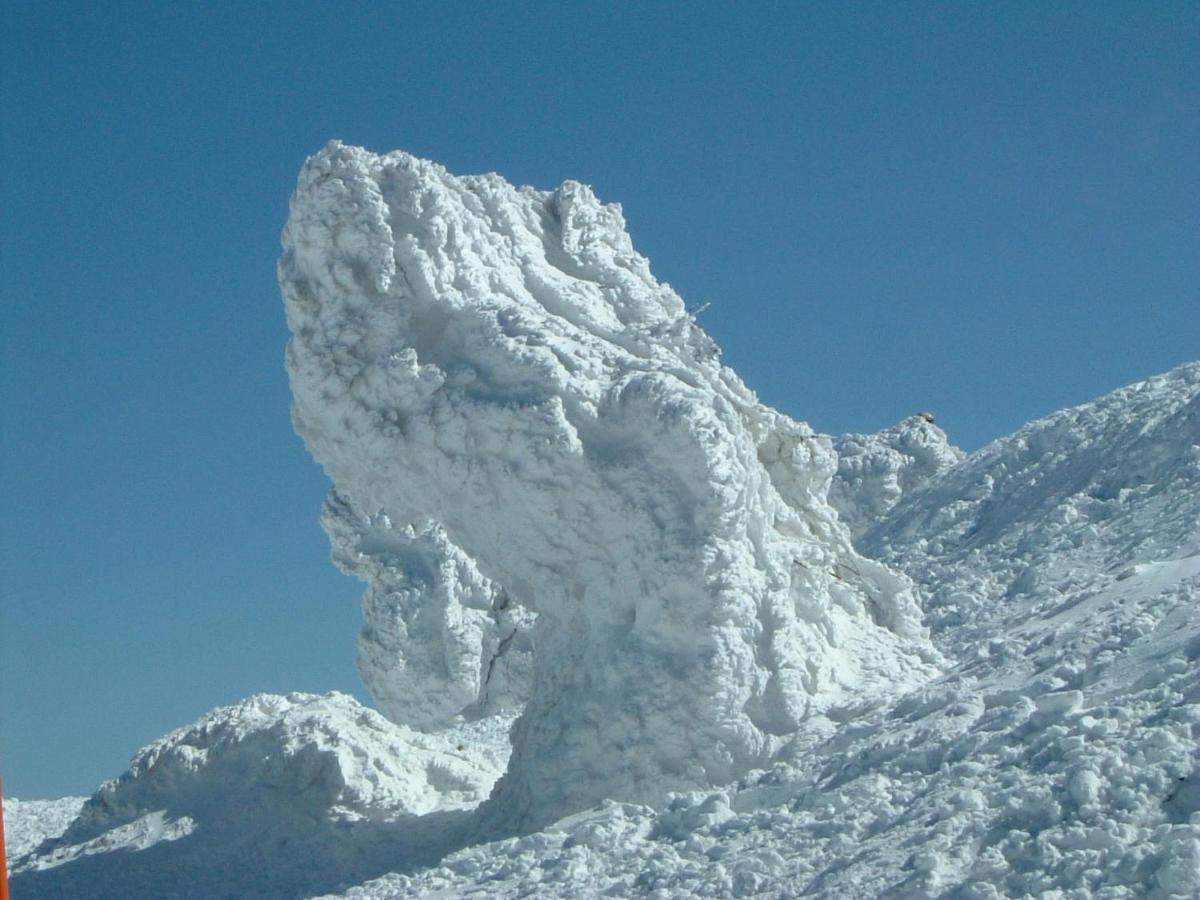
(497, 365)
(875, 470)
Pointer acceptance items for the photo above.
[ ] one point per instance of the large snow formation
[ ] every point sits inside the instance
(1057, 755)
(515, 413)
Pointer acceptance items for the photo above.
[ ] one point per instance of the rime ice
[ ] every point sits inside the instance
(498, 364)
(558, 498)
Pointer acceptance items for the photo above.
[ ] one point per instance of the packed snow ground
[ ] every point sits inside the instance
(1056, 754)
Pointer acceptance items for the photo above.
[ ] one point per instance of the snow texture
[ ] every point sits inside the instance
(1056, 755)
(876, 470)
(27, 823)
(501, 391)
(439, 641)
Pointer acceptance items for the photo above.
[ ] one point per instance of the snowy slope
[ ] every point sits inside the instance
(1062, 506)
(1056, 753)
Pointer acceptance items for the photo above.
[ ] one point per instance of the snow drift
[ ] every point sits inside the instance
(497, 367)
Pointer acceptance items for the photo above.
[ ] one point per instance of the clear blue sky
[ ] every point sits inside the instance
(986, 210)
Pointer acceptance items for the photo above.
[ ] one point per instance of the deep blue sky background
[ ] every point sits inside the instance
(989, 211)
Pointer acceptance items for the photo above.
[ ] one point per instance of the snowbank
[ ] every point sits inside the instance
(495, 370)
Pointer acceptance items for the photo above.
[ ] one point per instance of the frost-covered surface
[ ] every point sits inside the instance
(496, 366)
(875, 470)
(275, 795)
(439, 640)
(1056, 755)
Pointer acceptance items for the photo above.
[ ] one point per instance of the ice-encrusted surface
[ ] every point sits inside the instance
(876, 470)
(497, 366)
(1059, 756)
(439, 640)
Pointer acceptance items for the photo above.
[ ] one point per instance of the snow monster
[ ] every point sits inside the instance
(535, 449)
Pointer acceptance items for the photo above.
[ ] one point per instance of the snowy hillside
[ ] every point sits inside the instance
(738, 658)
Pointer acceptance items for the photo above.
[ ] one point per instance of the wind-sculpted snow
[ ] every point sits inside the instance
(495, 371)
(876, 470)
(439, 641)
(1059, 756)
(540, 465)
(1056, 757)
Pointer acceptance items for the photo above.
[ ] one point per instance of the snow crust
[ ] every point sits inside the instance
(500, 390)
(1056, 755)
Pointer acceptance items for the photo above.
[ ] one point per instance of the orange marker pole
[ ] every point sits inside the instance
(3, 852)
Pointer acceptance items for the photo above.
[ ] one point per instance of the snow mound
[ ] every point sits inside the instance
(494, 374)
(273, 795)
(876, 470)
